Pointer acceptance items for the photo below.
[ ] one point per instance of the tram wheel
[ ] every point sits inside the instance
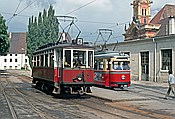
(39, 85)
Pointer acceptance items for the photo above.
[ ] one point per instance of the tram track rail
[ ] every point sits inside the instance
(28, 80)
(11, 109)
(9, 98)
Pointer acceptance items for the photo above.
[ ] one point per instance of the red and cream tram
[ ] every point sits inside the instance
(64, 68)
(112, 70)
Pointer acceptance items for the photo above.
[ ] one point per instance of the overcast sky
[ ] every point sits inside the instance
(91, 14)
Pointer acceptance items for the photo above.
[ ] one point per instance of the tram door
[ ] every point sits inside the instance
(145, 66)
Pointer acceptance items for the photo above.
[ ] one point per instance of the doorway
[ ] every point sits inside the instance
(145, 66)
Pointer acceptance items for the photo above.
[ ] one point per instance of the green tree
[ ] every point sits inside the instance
(4, 39)
(42, 30)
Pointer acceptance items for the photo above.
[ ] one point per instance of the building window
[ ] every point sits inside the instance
(16, 67)
(142, 11)
(5, 60)
(10, 60)
(10, 54)
(16, 60)
(15, 54)
(5, 67)
(144, 20)
(25, 60)
(166, 56)
(10, 67)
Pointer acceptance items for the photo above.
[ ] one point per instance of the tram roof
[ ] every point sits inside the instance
(51, 46)
(107, 55)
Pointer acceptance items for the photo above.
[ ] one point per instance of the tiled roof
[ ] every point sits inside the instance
(167, 11)
(17, 43)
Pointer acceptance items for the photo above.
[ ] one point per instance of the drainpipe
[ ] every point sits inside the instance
(155, 59)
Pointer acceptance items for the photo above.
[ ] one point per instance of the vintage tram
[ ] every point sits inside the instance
(64, 68)
(112, 69)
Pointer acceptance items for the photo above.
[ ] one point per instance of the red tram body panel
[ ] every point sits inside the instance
(68, 75)
(106, 72)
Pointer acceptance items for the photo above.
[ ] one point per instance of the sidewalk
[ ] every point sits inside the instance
(124, 95)
(115, 96)
(149, 83)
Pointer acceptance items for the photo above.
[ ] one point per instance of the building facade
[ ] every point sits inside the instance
(16, 58)
(151, 57)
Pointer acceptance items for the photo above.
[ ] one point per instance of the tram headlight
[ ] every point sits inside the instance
(123, 77)
(79, 78)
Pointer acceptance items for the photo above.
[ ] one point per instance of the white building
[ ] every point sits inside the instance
(16, 58)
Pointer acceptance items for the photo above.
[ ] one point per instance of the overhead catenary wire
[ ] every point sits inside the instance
(15, 14)
(17, 6)
(97, 22)
(81, 7)
(26, 7)
(83, 21)
(12, 13)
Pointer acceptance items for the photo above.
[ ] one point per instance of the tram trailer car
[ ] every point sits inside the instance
(112, 70)
(64, 68)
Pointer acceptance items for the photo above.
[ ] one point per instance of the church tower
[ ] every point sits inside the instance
(140, 27)
(141, 11)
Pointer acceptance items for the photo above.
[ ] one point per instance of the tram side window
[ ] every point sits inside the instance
(96, 65)
(101, 65)
(67, 61)
(90, 59)
(42, 60)
(38, 60)
(46, 60)
(120, 65)
(51, 60)
(34, 61)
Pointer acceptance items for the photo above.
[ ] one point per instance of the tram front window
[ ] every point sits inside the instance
(79, 59)
(120, 65)
(90, 59)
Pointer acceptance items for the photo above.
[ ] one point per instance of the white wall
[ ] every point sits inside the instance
(20, 63)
